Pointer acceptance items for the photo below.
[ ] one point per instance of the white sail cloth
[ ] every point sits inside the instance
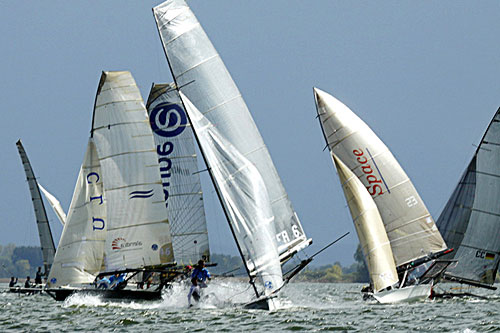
(42, 222)
(409, 226)
(470, 221)
(370, 229)
(178, 171)
(79, 255)
(244, 195)
(138, 232)
(55, 204)
(201, 75)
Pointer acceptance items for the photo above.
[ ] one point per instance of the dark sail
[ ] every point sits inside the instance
(470, 221)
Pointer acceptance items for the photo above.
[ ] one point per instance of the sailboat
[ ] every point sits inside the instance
(181, 183)
(394, 227)
(253, 198)
(42, 222)
(470, 221)
(117, 221)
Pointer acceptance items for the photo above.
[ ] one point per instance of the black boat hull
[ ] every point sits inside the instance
(60, 294)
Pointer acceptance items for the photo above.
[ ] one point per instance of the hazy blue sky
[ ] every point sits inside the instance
(425, 75)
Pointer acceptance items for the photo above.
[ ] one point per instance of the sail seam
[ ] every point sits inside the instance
(131, 185)
(118, 102)
(479, 248)
(121, 124)
(139, 225)
(216, 55)
(127, 153)
(190, 233)
(221, 104)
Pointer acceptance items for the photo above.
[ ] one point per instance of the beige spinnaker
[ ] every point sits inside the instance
(369, 227)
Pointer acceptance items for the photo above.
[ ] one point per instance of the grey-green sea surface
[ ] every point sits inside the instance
(306, 307)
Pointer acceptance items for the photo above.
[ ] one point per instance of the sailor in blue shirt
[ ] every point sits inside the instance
(201, 274)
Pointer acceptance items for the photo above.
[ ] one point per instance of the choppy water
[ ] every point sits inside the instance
(307, 307)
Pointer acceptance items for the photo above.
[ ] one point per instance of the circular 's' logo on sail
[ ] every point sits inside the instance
(168, 119)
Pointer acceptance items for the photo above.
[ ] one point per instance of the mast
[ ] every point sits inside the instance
(46, 239)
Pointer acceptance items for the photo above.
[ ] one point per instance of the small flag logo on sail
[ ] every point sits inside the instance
(121, 243)
(489, 256)
(141, 194)
(116, 244)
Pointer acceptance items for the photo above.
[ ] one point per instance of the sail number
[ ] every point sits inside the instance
(411, 201)
(285, 238)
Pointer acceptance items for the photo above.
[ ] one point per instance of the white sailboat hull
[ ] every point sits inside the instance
(406, 294)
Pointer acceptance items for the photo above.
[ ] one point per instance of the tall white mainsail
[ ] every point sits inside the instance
(201, 75)
(55, 204)
(470, 221)
(138, 232)
(244, 196)
(369, 227)
(80, 252)
(409, 226)
(178, 170)
(42, 222)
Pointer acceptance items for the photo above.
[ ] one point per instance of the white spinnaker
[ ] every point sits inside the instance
(178, 171)
(55, 204)
(369, 227)
(244, 196)
(138, 232)
(42, 222)
(79, 255)
(409, 226)
(199, 71)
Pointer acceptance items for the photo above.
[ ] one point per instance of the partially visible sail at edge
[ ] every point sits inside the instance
(244, 197)
(409, 226)
(80, 253)
(201, 75)
(370, 229)
(178, 171)
(137, 230)
(470, 221)
(42, 222)
(56, 205)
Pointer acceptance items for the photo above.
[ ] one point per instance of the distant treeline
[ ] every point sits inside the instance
(357, 272)
(19, 261)
(22, 261)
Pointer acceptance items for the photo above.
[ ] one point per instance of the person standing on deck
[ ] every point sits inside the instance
(38, 276)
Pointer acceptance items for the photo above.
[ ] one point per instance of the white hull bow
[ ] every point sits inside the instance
(406, 294)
